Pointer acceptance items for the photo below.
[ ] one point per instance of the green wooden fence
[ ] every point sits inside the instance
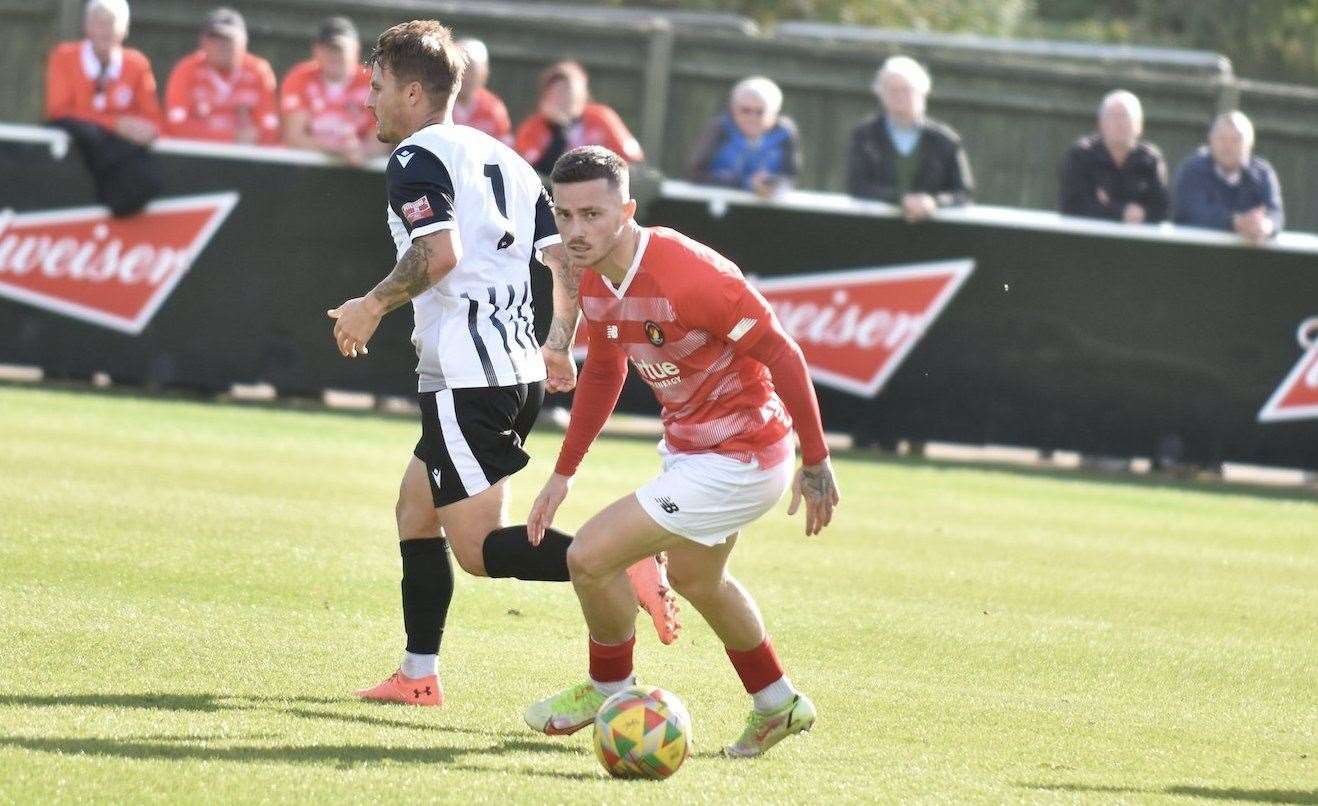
(1017, 105)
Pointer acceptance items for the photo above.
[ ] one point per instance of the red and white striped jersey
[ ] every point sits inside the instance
(686, 317)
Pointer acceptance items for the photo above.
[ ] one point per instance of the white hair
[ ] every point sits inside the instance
(1125, 99)
(1238, 121)
(764, 89)
(907, 68)
(117, 9)
(476, 51)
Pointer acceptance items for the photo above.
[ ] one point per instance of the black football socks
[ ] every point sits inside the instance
(427, 591)
(508, 553)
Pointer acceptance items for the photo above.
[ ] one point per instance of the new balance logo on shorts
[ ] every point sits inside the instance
(667, 504)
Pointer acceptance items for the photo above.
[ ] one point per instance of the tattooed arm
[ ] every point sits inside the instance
(427, 261)
(557, 349)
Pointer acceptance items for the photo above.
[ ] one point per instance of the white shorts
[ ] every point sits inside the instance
(707, 498)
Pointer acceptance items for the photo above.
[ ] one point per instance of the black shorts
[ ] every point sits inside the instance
(472, 438)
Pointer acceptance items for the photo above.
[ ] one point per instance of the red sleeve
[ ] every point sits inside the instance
(622, 142)
(148, 103)
(179, 121)
(726, 306)
(503, 125)
(59, 90)
(267, 110)
(791, 380)
(531, 137)
(597, 393)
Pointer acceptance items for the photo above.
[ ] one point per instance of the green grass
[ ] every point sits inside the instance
(190, 590)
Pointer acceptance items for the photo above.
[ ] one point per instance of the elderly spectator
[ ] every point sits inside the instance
(1113, 174)
(751, 146)
(221, 92)
(900, 156)
(566, 118)
(476, 106)
(324, 98)
(1223, 186)
(99, 81)
(104, 96)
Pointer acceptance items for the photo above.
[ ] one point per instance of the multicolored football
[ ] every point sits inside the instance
(642, 732)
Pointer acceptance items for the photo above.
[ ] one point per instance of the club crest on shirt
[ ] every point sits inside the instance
(654, 334)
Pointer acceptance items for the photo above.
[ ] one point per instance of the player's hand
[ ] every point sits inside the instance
(355, 322)
(546, 506)
(561, 370)
(815, 483)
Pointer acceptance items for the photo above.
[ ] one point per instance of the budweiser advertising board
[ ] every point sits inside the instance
(113, 272)
(1297, 397)
(855, 327)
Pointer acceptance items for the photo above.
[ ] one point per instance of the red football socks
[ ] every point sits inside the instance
(610, 663)
(757, 668)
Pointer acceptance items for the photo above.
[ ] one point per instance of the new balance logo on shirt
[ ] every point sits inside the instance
(404, 157)
(667, 505)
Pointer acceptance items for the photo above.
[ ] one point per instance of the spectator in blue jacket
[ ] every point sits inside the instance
(751, 146)
(1223, 186)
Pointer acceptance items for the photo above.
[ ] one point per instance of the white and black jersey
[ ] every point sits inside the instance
(475, 328)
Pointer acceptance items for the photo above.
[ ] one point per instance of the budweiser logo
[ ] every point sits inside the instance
(1297, 397)
(855, 327)
(114, 272)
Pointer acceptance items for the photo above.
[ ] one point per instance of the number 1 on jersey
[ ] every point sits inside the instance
(500, 200)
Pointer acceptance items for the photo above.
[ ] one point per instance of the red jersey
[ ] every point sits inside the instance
(690, 323)
(487, 113)
(203, 104)
(599, 126)
(337, 111)
(126, 85)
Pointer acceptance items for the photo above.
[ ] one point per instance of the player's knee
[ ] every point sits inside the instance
(585, 566)
(693, 584)
(414, 519)
(469, 553)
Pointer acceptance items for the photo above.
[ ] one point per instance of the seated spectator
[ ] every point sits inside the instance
(900, 156)
(1223, 186)
(221, 92)
(1113, 174)
(751, 146)
(566, 118)
(324, 98)
(104, 96)
(476, 106)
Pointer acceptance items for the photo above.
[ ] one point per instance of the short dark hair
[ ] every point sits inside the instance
(586, 163)
(424, 51)
(332, 28)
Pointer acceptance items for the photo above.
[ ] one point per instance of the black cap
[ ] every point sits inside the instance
(224, 22)
(336, 28)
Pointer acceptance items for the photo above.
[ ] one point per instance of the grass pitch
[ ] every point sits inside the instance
(190, 591)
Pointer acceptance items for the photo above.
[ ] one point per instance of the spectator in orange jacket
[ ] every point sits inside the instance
(324, 98)
(100, 81)
(221, 92)
(476, 106)
(566, 118)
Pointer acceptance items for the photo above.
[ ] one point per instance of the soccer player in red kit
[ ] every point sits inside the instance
(732, 384)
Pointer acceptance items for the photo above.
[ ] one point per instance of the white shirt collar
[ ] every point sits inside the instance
(621, 291)
(91, 65)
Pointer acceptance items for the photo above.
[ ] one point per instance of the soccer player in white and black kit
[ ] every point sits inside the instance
(468, 216)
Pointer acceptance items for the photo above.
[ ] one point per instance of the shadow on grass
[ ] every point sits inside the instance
(338, 755)
(1301, 796)
(216, 703)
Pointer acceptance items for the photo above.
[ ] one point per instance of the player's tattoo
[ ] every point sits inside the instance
(567, 280)
(410, 277)
(817, 482)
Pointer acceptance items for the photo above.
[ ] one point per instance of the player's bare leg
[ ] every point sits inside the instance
(598, 559)
(699, 573)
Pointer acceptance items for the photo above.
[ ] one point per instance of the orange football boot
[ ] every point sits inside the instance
(406, 690)
(649, 579)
